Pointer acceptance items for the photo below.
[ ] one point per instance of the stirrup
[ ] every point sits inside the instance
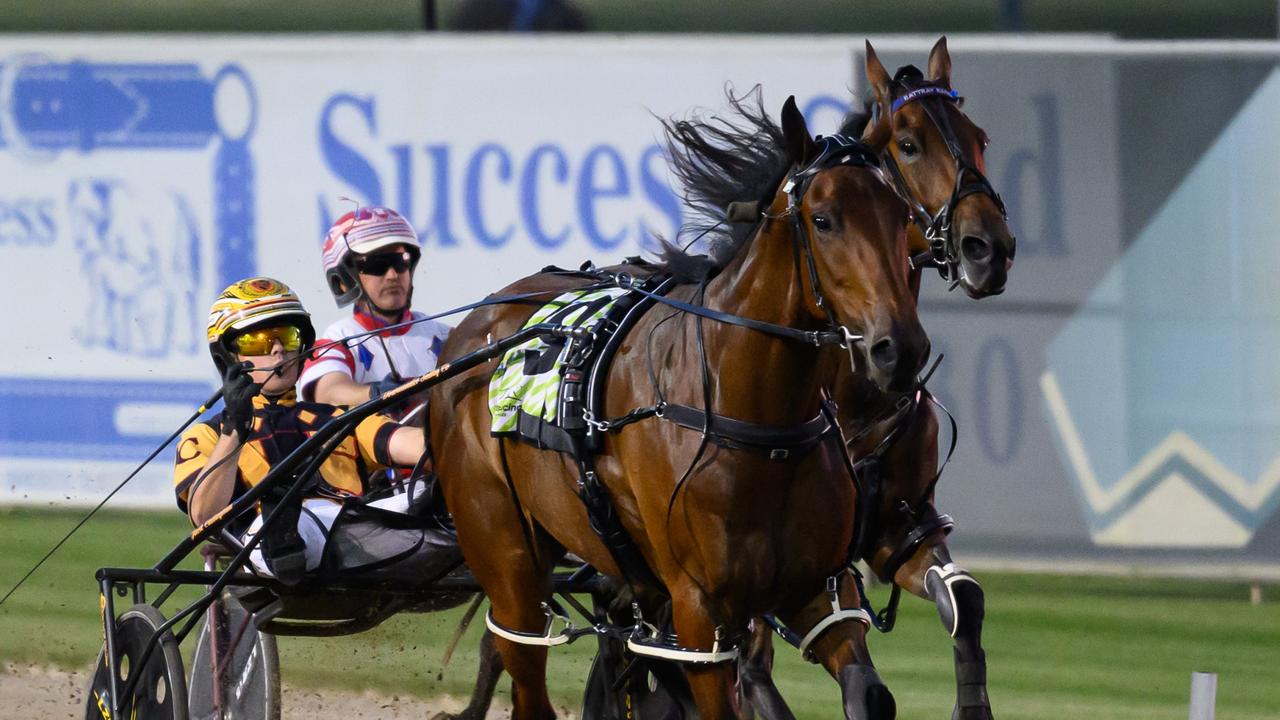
(546, 638)
(647, 640)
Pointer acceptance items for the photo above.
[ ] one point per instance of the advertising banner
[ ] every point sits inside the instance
(1114, 402)
(141, 175)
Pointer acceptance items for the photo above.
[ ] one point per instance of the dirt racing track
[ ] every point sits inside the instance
(56, 694)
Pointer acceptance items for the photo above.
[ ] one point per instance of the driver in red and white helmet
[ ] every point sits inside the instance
(369, 258)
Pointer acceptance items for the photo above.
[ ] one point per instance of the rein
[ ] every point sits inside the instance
(937, 227)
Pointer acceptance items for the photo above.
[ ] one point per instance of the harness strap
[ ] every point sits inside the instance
(604, 521)
(812, 337)
(779, 441)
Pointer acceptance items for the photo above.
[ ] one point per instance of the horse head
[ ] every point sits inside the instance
(851, 248)
(935, 154)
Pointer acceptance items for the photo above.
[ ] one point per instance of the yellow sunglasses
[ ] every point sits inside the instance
(261, 341)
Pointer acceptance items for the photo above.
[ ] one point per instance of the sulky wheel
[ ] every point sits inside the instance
(244, 661)
(160, 692)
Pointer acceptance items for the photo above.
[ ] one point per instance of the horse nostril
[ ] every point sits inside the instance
(975, 249)
(884, 353)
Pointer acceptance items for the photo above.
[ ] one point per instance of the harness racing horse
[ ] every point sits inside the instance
(724, 526)
(934, 153)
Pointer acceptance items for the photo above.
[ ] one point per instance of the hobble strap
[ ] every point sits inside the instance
(838, 615)
(648, 640)
(547, 638)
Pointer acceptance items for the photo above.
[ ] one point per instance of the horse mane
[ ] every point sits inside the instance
(718, 160)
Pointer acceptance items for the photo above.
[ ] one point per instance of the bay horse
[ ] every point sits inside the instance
(726, 531)
(934, 152)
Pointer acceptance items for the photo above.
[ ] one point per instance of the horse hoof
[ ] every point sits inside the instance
(880, 703)
(865, 696)
(972, 713)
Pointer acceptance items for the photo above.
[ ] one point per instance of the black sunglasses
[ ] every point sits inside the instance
(379, 263)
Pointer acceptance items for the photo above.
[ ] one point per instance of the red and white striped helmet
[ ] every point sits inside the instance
(361, 232)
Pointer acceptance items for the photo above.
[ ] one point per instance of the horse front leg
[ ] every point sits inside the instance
(755, 675)
(933, 575)
(712, 685)
(841, 647)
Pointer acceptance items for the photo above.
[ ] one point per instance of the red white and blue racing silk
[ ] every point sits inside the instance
(407, 351)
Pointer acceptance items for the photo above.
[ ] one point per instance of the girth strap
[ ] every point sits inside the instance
(779, 441)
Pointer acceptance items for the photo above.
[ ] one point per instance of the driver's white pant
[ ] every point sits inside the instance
(315, 521)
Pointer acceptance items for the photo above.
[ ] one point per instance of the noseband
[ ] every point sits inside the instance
(937, 227)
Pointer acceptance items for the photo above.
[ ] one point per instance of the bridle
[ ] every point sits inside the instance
(937, 227)
(836, 150)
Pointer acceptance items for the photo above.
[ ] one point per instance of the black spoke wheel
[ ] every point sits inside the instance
(160, 692)
(235, 671)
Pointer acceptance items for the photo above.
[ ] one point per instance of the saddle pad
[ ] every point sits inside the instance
(528, 378)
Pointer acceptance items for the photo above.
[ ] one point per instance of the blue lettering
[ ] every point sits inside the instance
(342, 159)
(997, 363)
(1049, 160)
(529, 194)
(403, 155)
(823, 104)
(45, 211)
(474, 208)
(590, 191)
(439, 226)
(659, 192)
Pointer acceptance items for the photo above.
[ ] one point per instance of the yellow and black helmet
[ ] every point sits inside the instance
(255, 302)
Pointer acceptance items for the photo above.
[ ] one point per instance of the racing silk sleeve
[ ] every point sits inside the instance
(334, 358)
(193, 452)
(373, 439)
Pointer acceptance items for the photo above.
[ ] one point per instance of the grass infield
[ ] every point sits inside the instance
(1056, 646)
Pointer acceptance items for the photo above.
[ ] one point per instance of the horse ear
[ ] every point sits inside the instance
(878, 79)
(800, 145)
(940, 63)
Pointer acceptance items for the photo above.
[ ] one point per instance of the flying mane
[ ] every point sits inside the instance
(720, 160)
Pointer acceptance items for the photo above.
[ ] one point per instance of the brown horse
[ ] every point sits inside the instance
(728, 532)
(934, 151)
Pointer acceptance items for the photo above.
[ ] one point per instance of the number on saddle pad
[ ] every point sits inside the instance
(529, 378)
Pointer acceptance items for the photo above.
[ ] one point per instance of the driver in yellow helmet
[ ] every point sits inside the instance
(258, 334)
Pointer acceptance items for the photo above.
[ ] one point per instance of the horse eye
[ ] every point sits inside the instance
(822, 223)
(908, 148)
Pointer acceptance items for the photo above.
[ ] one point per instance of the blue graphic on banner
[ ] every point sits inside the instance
(93, 107)
(145, 253)
(79, 420)
(1162, 388)
(142, 264)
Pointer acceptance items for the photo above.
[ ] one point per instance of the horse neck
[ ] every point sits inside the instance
(773, 381)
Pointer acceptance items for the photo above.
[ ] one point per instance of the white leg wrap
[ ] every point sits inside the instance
(941, 581)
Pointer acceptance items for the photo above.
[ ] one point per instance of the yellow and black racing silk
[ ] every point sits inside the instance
(280, 425)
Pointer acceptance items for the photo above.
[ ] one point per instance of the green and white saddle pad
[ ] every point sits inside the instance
(527, 380)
